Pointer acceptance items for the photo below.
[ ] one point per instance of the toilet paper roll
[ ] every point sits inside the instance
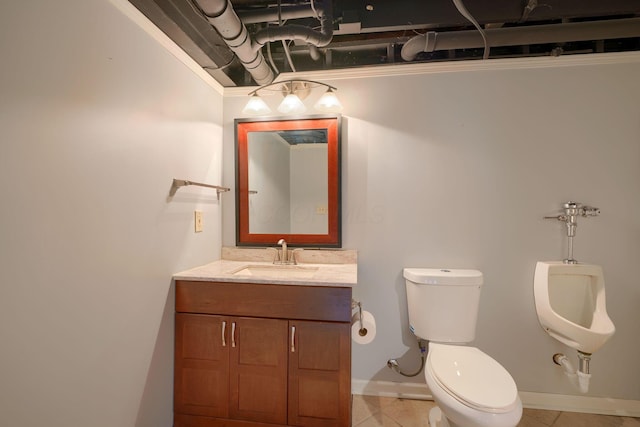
(368, 331)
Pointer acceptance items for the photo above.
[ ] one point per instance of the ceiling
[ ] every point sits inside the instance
(314, 35)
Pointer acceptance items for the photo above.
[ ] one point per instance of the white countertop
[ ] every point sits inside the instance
(325, 274)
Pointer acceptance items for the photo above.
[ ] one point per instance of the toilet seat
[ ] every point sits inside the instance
(472, 377)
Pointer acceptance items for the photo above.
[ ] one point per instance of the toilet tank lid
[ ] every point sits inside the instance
(443, 276)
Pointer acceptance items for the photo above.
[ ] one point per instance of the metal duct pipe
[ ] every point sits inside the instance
(224, 19)
(551, 33)
(293, 12)
(298, 32)
(221, 15)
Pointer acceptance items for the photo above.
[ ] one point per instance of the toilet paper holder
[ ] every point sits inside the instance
(362, 331)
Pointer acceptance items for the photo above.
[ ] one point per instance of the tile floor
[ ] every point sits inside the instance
(375, 411)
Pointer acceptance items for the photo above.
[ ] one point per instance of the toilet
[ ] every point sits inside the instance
(469, 387)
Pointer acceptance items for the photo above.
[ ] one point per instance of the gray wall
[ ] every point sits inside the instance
(457, 170)
(96, 119)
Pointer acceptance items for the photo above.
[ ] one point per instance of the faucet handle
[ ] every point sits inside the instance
(276, 255)
(293, 255)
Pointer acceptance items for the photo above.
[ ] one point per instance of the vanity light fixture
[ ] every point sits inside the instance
(294, 91)
(256, 106)
(328, 102)
(292, 104)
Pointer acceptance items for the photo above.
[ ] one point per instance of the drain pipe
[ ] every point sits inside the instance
(579, 377)
(584, 375)
(533, 34)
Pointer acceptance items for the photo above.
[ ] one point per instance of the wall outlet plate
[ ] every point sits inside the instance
(198, 221)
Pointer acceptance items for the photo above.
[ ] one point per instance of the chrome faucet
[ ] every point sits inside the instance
(284, 255)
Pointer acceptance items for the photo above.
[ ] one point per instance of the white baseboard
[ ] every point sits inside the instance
(587, 404)
(391, 389)
(532, 400)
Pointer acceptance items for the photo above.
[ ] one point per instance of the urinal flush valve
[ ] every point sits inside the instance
(571, 212)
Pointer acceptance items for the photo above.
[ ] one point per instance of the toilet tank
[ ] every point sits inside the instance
(443, 303)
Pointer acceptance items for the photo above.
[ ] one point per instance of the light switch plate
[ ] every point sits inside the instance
(198, 221)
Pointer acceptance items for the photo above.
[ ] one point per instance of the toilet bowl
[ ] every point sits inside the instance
(470, 388)
(570, 303)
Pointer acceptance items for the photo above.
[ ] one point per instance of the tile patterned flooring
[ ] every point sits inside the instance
(376, 411)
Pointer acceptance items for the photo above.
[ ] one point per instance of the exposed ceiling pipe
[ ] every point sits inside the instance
(530, 7)
(534, 34)
(295, 12)
(221, 15)
(464, 12)
(271, 14)
(224, 19)
(299, 32)
(314, 53)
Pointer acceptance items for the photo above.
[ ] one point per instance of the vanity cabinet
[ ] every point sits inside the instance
(250, 355)
(320, 375)
(231, 367)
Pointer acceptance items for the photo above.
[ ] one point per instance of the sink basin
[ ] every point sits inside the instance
(277, 271)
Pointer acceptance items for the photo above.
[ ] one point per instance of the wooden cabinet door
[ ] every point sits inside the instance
(320, 374)
(201, 365)
(258, 370)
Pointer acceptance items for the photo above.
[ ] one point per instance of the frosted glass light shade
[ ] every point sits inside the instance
(256, 106)
(328, 103)
(291, 104)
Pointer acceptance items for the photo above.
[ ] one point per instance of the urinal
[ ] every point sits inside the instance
(570, 303)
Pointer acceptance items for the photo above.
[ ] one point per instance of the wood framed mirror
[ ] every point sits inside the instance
(288, 181)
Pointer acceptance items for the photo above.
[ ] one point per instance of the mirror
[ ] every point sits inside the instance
(288, 181)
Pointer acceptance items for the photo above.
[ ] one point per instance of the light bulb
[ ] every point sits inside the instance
(328, 103)
(256, 106)
(291, 104)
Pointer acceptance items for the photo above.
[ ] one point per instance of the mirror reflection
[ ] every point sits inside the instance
(288, 181)
(288, 188)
